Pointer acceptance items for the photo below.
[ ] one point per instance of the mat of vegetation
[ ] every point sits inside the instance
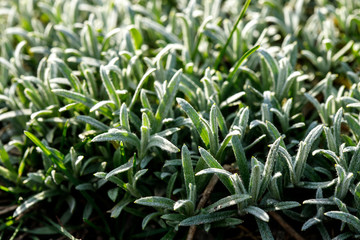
(149, 119)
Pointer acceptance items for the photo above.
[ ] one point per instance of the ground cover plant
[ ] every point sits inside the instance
(191, 119)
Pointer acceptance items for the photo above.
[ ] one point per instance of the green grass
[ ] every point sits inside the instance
(179, 119)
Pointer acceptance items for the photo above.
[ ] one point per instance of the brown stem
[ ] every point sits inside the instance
(205, 197)
(286, 226)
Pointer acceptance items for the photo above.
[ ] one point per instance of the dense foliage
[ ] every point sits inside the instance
(149, 119)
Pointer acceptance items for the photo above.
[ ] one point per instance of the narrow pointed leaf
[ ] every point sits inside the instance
(155, 201)
(227, 202)
(206, 218)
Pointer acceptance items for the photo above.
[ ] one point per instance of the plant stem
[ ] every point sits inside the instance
(242, 13)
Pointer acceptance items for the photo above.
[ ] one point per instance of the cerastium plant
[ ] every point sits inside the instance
(177, 119)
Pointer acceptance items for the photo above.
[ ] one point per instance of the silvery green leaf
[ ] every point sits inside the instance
(167, 132)
(84, 187)
(266, 114)
(148, 23)
(166, 102)
(173, 217)
(343, 182)
(92, 41)
(117, 209)
(33, 200)
(329, 154)
(274, 186)
(78, 97)
(206, 218)
(353, 124)
(284, 121)
(221, 121)
(148, 218)
(342, 51)
(345, 217)
(123, 168)
(100, 174)
(353, 105)
(256, 141)
(185, 207)
(140, 85)
(297, 125)
(316, 104)
(163, 143)
(144, 99)
(118, 135)
(113, 193)
(214, 127)
(225, 143)
(238, 185)
(241, 160)
(285, 205)
(337, 126)
(309, 223)
(145, 121)
(14, 114)
(93, 122)
(213, 163)
(274, 133)
(331, 140)
(170, 185)
(271, 63)
(303, 152)
(323, 231)
(124, 118)
(139, 174)
(9, 66)
(109, 86)
(67, 72)
(195, 118)
(285, 154)
(234, 69)
(101, 105)
(255, 182)
(189, 176)
(155, 201)
(243, 119)
(212, 171)
(257, 212)
(354, 165)
(344, 236)
(283, 90)
(227, 202)
(231, 99)
(317, 185)
(320, 201)
(269, 165)
(264, 230)
(71, 36)
(300, 162)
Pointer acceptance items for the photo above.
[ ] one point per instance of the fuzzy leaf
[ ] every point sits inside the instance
(212, 163)
(206, 218)
(345, 217)
(189, 176)
(163, 143)
(118, 135)
(227, 202)
(195, 118)
(155, 201)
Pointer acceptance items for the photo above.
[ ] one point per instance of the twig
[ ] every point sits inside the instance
(206, 194)
(286, 226)
(205, 197)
